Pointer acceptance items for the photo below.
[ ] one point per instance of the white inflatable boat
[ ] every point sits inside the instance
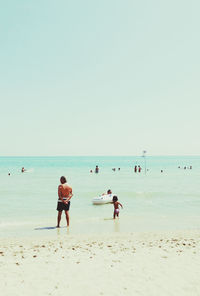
(102, 199)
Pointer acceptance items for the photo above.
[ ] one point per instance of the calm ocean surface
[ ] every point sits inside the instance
(155, 201)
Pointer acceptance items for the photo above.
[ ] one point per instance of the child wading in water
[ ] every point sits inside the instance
(116, 206)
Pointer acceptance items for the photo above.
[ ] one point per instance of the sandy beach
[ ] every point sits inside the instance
(119, 264)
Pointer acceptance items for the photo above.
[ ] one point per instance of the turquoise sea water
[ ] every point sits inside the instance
(155, 201)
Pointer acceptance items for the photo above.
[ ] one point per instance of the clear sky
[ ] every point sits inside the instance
(90, 77)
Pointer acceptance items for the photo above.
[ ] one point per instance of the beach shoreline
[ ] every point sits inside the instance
(137, 263)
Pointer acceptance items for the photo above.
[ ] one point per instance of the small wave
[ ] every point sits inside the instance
(13, 224)
(29, 171)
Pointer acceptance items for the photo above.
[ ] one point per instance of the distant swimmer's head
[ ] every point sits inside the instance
(63, 180)
(109, 191)
(115, 198)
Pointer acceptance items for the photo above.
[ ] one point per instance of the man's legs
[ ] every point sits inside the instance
(59, 218)
(67, 217)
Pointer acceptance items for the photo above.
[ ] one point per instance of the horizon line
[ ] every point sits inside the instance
(107, 155)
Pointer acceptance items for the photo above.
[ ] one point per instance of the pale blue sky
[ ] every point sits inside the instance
(107, 77)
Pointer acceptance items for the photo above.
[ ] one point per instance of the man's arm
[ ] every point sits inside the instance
(70, 194)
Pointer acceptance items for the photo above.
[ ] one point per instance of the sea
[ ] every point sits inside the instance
(164, 196)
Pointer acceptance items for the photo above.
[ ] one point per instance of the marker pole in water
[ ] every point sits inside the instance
(144, 155)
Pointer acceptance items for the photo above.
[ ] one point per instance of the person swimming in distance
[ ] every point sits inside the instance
(116, 204)
(23, 170)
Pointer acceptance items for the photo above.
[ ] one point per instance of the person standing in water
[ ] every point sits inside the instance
(116, 206)
(96, 169)
(64, 196)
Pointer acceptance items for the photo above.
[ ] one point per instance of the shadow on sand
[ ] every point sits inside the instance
(48, 228)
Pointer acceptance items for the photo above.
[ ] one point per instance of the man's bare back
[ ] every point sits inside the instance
(64, 190)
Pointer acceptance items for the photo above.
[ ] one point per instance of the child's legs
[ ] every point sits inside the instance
(116, 213)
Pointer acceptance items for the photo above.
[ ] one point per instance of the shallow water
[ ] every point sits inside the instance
(155, 201)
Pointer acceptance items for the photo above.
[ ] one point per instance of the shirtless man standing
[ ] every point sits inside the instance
(64, 196)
